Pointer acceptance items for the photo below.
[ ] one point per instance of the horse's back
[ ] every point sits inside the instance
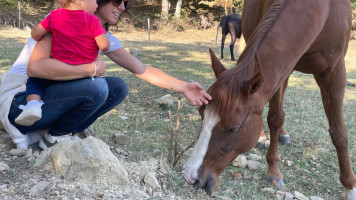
(331, 44)
(328, 47)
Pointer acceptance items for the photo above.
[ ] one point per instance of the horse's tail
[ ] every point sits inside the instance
(217, 33)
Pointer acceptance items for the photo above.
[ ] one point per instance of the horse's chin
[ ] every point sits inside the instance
(209, 185)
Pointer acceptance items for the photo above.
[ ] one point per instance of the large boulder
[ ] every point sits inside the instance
(89, 159)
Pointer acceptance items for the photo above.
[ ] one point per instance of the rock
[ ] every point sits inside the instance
(157, 195)
(38, 188)
(4, 167)
(254, 157)
(121, 138)
(165, 100)
(271, 190)
(89, 159)
(123, 117)
(240, 161)
(300, 196)
(280, 195)
(36, 154)
(151, 180)
(88, 132)
(18, 152)
(253, 165)
(146, 166)
(289, 196)
(315, 198)
(29, 153)
(43, 157)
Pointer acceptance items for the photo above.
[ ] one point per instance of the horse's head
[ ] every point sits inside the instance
(231, 124)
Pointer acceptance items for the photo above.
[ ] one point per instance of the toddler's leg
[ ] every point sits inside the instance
(32, 111)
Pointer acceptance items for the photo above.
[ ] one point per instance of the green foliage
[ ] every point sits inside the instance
(8, 3)
(353, 5)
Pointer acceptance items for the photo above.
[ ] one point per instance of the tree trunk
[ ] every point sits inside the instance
(165, 9)
(178, 9)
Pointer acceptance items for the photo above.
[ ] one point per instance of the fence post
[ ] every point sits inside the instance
(20, 20)
(148, 28)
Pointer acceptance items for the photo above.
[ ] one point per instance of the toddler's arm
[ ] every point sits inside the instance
(38, 32)
(103, 42)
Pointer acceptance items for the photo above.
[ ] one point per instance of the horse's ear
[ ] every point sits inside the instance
(217, 66)
(255, 83)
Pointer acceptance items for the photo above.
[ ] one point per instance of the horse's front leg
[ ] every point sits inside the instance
(275, 121)
(283, 136)
(332, 87)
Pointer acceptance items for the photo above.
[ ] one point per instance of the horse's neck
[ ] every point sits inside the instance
(253, 12)
(287, 40)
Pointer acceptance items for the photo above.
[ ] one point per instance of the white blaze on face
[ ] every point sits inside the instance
(190, 169)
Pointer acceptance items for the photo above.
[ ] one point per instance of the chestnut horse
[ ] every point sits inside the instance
(283, 35)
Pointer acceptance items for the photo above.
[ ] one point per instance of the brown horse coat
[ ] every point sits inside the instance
(282, 36)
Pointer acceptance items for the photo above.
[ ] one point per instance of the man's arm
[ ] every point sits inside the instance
(41, 65)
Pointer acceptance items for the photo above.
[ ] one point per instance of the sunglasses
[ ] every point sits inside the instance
(118, 2)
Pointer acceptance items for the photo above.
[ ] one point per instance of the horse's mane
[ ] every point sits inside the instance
(226, 89)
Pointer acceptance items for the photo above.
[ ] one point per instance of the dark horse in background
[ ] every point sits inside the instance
(283, 35)
(229, 24)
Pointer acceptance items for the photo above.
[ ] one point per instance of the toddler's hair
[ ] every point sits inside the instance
(64, 3)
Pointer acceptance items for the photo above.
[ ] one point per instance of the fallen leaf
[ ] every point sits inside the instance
(287, 163)
(237, 176)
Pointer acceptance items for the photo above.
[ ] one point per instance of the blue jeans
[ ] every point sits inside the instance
(37, 85)
(72, 106)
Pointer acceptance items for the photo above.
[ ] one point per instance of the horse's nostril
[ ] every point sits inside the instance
(209, 186)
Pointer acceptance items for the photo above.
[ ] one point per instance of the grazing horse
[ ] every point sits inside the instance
(308, 36)
(229, 24)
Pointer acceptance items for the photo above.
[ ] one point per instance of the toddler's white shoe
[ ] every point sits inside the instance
(29, 115)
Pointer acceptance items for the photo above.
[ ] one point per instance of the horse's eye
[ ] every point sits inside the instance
(232, 129)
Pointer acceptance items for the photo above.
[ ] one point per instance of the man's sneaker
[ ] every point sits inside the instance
(48, 140)
(29, 115)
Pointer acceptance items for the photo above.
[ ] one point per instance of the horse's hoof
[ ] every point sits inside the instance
(284, 139)
(275, 181)
(261, 142)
